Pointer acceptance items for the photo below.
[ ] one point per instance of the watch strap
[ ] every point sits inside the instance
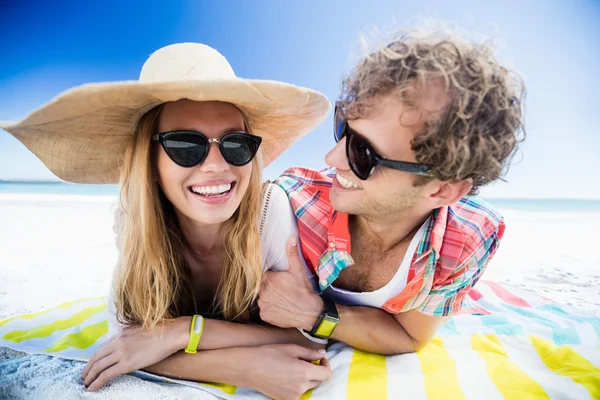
(196, 329)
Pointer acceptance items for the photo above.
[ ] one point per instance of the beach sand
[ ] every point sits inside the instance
(54, 250)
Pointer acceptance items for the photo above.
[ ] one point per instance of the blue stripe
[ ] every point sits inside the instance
(556, 309)
(474, 226)
(480, 204)
(301, 210)
(560, 336)
(449, 329)
(501, 325)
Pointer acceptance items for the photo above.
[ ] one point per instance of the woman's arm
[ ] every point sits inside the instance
(278, 371)
(278, 225)
(223, 334)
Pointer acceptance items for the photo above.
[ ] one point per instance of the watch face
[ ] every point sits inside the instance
(326, 326)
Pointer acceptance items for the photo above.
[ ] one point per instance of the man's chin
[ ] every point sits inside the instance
(345, 206)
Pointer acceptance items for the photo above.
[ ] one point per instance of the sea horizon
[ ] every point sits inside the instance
(59, 191)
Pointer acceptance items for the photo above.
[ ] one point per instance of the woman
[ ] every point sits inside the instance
(188, 141)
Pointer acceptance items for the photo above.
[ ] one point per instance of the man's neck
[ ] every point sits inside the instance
(390, 232)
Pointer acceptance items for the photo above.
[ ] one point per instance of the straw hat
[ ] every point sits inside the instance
(81, 135)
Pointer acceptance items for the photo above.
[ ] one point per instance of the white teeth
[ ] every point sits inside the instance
(346, 184)
(220, 189)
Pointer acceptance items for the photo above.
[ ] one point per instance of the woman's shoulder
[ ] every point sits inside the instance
(274, 195)
(277, 224)
(275, 204)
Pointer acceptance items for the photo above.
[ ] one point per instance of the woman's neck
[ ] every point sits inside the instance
(200, 239)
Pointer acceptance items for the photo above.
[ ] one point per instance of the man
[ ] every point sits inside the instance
(391, 234)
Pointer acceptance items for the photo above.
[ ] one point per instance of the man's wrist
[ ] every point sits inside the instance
(242, 371)
(318, 307)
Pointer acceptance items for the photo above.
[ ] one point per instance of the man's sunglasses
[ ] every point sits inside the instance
(361, 156)
(190, 148)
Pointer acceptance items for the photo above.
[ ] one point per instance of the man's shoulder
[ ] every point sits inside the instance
(475, 218)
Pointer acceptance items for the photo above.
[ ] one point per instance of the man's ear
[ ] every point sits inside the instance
(448, 193)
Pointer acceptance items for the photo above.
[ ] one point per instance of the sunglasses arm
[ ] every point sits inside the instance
(410, 167)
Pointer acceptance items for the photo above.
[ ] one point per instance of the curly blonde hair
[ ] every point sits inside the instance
(477, 133)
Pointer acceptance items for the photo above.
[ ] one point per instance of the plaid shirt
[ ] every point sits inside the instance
(458, 243)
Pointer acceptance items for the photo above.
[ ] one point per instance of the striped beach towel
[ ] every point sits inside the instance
(505, 344)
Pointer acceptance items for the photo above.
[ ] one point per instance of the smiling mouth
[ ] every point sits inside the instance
(212, 191)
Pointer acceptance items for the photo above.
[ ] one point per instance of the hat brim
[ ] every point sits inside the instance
(81, 135)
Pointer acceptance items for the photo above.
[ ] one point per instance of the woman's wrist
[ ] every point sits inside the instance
(180, 330)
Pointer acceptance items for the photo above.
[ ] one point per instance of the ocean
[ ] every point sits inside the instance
(70, 190)
(57, 244)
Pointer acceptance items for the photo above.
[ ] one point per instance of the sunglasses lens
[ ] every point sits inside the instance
(185, 149)
(360, 156)
(239, 149)
(339, 126)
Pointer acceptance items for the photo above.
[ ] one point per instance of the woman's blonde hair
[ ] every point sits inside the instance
(153, 281)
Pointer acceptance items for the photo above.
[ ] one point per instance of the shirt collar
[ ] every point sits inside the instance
(339, 233)
(434, 234)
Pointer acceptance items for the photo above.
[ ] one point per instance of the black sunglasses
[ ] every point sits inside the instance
(361, 156)
(190, 148)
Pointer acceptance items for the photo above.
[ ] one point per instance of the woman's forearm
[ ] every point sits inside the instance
(223, 334)
(223, 366)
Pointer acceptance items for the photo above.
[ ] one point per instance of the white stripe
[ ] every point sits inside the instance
(241, 393)
(340, 358)
(468, 324)
(405, 377)
(587, 334)
(521, 352)
(563, 322)
(473, 378)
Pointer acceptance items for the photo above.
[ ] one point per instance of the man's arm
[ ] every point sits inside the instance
(376, 331)
(287, 300)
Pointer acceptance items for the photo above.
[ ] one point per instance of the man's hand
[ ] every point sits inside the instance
(287, 298)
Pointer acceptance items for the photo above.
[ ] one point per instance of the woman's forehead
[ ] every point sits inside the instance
(210, 116)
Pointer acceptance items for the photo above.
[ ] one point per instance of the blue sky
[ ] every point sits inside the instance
(48, 47)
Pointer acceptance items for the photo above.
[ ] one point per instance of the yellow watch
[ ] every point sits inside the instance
(196, 329)
(327, 321)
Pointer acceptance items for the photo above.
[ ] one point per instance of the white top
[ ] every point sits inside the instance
(276, 224)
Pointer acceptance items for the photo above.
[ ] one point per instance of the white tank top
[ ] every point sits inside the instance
(394, 287)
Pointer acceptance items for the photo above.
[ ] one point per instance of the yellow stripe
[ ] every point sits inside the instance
(82, 339)
(33, 315)
(510, 380)
(229, 389)
(565, 361)
(441, 374)
(367, 377)
(49, 329)
(307, 395)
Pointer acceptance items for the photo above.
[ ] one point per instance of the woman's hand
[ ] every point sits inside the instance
(132, 349)
(286, 371)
